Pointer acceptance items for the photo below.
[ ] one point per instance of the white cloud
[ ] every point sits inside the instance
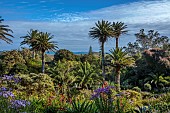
(71, 30)
(137, 12)
(68, 17)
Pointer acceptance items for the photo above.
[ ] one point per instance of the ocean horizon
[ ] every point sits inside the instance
(76, 53)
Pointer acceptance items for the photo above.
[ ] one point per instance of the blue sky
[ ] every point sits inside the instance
(43, 10)
(70, 20)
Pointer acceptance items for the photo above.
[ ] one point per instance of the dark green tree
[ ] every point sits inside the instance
(9, 59)
(64, 54)
(90, 51)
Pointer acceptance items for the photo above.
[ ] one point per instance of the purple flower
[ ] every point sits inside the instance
(106, 90)
(11, 78)
(3, 89)
(97, 95)
(17, 80)
(7, 94)
(19, 103)
(6, 77)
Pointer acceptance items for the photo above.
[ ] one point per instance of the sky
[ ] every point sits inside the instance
(70, 20)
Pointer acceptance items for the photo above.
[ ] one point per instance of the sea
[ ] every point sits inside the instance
(76, 53)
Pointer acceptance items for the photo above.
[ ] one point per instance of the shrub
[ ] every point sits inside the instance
(133, 97)
(19, 68)
(65, 54)
(8, 100)
(35, 84)
(146, 95)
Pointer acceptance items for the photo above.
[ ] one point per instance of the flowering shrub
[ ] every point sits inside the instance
(7, 94)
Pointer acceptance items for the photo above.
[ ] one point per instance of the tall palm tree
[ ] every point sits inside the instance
(4, 32)
(30, 39)
(119, 59)
(101, 32)
(118, 29)
(43, 44)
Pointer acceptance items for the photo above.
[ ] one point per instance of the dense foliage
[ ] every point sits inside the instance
(133, 79)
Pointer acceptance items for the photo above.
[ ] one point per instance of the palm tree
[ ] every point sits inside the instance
(30, 39)
(101, 32)
(118, 28)
(4, 32)
(119, 59)
(43, 44)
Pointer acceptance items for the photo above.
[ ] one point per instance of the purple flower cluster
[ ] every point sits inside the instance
(10, 78)
(7, 94)
(19, 103)
(3, 89)
(106, 90)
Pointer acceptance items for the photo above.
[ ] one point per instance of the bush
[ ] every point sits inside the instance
(64, 54)
(35, 84)
(133, 96)
(19, 68)
(146, 95)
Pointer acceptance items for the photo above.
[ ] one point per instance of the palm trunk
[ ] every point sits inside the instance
(103, 61)
(33, 54)
(43, 62)
(117, 42)
(117, 79)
